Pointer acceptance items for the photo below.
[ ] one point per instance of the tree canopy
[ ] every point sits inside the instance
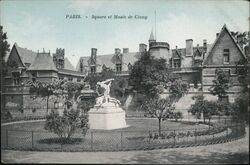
(147, 73)
(220, 84)
(4, 48)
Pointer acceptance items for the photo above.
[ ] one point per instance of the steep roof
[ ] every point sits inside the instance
(43, 61)
(224, 28)
(181, 52)
(107, 61)
(26, 55)
(68, 65)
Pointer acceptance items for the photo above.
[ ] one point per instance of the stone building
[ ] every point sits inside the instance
(224, 54)
(24, 65)
(195, 64)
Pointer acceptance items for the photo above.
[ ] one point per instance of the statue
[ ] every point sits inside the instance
(106, 113)
(106, 97)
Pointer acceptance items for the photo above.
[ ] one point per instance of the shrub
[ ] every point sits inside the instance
(67, 124)
(177, 115)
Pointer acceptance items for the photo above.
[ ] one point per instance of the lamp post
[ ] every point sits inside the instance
(22, 85)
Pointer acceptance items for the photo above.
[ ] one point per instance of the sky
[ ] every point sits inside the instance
(44, 24)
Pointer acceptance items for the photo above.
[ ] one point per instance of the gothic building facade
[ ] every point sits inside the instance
(26, 65)
(196, 65)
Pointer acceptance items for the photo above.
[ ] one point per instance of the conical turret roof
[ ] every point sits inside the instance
(152, 38)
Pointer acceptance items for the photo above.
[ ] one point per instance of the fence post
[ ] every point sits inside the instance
(7, 138)
(91, 140)
(227, 132)
(195, 136)
(174, 137)
(121, 138)
(149, 136)
(32, 139)
(213, 133)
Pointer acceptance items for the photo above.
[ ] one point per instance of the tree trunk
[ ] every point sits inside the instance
(159, 127)
(209, 122)
(204, 119)
(47, 110)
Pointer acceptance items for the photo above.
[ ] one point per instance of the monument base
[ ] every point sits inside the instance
(107, 116)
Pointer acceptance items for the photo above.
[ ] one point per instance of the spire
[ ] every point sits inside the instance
(151, 38)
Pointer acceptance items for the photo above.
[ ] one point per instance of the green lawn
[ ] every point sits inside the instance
(143, 124)
(137, 135)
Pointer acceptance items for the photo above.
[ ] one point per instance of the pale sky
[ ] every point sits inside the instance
(42, 24)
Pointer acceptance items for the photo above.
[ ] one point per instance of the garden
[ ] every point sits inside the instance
(142, 134)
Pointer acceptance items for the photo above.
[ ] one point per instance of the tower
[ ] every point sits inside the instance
(58, 58)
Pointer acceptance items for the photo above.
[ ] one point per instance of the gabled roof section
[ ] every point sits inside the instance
(176, 54)
(43, 61)
(117, 58)
(224, 28)
(198, 53)
(26, 55)
(68, 65)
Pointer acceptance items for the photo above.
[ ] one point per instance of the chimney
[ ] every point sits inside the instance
(117, 51)
(93, 53)
(176, 47)
(189, 47)
(125, 50)
(142, 47)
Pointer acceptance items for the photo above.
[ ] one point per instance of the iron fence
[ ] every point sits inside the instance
(120, 140)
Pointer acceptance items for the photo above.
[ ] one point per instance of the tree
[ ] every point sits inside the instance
(159, 108)
(67, 124)
(147, 73)
(72, 90)
(205, 107)
(240, 108)
(242, 72)
(220, 84)
(177, 115)
(4, 48)
(46, 89)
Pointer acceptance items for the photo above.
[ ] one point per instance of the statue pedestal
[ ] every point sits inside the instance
(107, 116)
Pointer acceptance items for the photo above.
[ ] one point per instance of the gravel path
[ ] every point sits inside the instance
(236, 152)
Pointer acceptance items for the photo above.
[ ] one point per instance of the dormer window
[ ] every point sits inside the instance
(177, 63)
(226, 56)
(118, 67)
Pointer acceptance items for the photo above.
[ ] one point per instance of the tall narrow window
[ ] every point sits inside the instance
(226, 56)
(92, 69)
(16, 78)
(118, 67)
(81, 67)
(60, 64)
(34, 75)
